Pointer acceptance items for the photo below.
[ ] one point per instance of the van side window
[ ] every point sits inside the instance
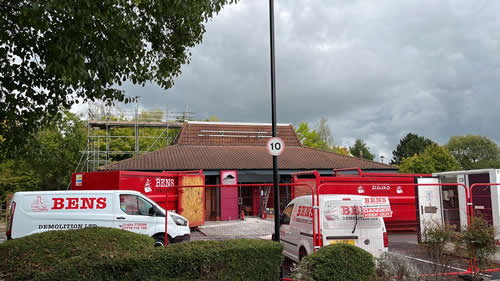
(287, 214)
(145, 208)
(135, 205)
(128, 204)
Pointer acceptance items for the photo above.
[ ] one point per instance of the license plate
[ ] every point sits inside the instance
(342, 241)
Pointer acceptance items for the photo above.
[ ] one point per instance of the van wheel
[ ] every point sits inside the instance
(160, 240)
(302, 253)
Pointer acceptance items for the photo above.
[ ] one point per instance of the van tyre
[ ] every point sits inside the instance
(302, 253)
(160, 240)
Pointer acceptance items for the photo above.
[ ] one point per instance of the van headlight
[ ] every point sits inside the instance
(179, 221)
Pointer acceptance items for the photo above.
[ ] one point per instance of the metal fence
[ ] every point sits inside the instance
(251, 215)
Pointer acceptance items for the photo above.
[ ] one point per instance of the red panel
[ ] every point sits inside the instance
(229, 196)
(229, 203)
(256, 201)
(401, 197)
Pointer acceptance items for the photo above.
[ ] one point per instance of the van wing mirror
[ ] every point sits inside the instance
(152, 211)
(159, 213)
(284, 219)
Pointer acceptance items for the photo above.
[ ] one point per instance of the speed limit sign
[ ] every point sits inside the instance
(275, 146)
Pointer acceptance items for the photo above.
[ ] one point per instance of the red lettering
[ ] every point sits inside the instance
(101, 203)
(58, 203)
(345, 210)
(299, 211)
(72, 203)
(87, 203)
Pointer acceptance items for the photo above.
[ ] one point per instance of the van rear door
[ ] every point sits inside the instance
(343, 222)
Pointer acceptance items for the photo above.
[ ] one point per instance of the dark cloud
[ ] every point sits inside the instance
(376, 69)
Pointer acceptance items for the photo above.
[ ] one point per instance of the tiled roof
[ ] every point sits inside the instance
(193, 157)
(234, 134)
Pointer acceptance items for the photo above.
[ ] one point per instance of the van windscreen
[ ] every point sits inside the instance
(348, 214)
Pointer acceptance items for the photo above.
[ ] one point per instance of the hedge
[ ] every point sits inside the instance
(112, 254)
(337, 262)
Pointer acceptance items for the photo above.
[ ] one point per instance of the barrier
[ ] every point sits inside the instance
(316, 222)
(240, 210)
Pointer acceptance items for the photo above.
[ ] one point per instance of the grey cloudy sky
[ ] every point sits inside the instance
(376, 69)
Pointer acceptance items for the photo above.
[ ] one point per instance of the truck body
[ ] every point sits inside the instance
(182, 192)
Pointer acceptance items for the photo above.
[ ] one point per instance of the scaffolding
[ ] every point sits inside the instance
(103, 122)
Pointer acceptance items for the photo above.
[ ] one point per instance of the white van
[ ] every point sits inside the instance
(39, 211)
(342, 220)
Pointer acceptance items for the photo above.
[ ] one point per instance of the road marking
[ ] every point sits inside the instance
(426, 261)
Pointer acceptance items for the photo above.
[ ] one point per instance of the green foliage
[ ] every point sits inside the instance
(360, 150)
(474, 152)
(56, 53)
(434, 159)
(59, 254)
(341, 150)
(213, 118)
(16, 176)
(111, 254)
(319, 139)
(392, 267)
(338, 262)
(479, 242)
(408, 146)
(435, 239)
(310, 137)
(48, 160)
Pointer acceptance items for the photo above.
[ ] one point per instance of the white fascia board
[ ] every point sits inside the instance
(235, 123)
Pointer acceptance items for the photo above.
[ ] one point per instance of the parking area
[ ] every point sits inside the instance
(250, 227)
(403, 244)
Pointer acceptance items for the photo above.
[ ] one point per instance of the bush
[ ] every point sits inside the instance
(338, 262)
(479, 243)
(392, 267)
(112, 254)
(437, 240)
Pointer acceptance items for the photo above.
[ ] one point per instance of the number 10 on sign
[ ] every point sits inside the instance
(275, 146)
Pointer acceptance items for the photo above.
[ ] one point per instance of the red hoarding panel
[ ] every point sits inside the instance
(229, 196)
(401, 196)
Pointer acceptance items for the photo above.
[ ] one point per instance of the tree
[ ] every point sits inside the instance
(213, 118)
(360, 150)
(474, 152)
(320, 139)
(310, 138)
(54, 54)
(434, 159)
(324, 132)
(50, 158)
(341, 150)
(408, 146)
